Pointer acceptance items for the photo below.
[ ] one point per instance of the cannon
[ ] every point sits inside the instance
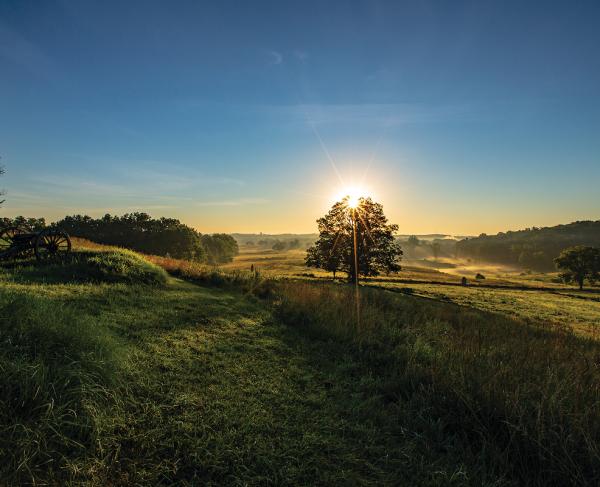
(49, 243)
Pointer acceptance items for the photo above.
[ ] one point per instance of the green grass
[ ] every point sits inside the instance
(203, 386)
(107, 380)
(96, 266)
(579, 311)
(56, 367)
(517, 399)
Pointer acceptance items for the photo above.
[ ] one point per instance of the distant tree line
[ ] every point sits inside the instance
(533, 248)
(279, 244)
(141, 232)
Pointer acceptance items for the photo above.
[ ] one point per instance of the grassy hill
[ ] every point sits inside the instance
(126, 376)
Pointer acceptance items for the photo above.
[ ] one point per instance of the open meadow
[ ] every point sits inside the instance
(116, 373)
(537, 297)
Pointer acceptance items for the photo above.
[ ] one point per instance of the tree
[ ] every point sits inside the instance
(377, 249)
(578, 264)
(278, 245)
(139, 231)
(293, 244)
(220, 248)
(413, 241)
(28, 224)
(435, 248)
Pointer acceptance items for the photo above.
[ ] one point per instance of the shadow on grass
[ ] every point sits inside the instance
(515, 399)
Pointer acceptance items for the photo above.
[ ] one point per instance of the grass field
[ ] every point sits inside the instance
(115, 374)
(510, 292)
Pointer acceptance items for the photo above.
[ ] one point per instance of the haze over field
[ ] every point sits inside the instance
(460, 117)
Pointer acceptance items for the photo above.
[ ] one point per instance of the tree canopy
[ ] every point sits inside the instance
(377, 248)
(579, 264)
(141, 232)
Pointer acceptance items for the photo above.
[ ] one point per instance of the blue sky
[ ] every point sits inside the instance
(460, 117)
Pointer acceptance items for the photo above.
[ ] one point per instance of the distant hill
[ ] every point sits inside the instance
(532, 248)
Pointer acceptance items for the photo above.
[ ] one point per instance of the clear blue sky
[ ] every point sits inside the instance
(470, 116)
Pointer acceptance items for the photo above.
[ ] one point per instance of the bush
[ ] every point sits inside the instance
(479, 276)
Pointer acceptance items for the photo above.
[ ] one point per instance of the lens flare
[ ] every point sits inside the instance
(353, 193)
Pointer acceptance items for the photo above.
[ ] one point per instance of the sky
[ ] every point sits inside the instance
(459, 117)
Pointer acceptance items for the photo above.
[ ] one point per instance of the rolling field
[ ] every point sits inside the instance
(511, 292)
(115, 373)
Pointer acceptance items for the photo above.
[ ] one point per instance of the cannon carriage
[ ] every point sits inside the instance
(49, 243)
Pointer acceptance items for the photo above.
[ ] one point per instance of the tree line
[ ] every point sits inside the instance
(532, 248)
(140, 232)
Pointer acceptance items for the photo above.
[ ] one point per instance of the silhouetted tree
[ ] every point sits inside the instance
(28, 224)
(377, 248)
(578, 264)
(138, 231)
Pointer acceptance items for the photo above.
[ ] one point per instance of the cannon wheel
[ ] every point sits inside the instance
(52, 242)
(7, 236)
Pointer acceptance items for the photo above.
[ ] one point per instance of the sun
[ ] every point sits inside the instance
(353, 193)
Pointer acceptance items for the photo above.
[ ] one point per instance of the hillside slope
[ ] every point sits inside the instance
(533, 248)
(120, 378)
(141, 385)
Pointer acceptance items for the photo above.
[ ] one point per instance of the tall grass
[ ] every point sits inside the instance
(520, 401)
(253, 283)
(55, 367)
